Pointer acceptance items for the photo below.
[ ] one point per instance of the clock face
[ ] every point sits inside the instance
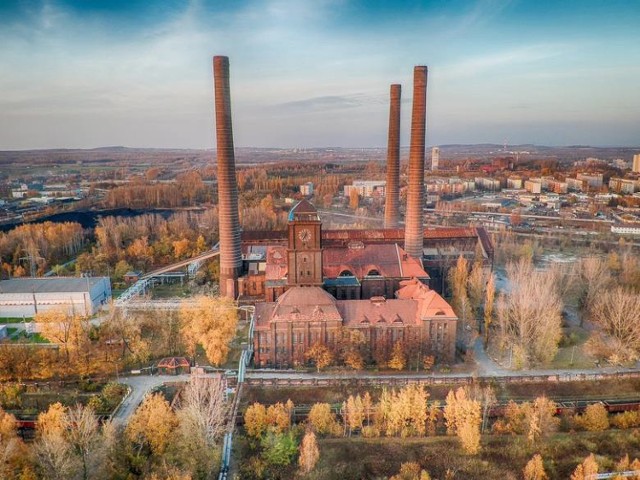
(304, 235)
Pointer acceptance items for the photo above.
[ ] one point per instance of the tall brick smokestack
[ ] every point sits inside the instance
(413, 228)
(391, 207)
(230, 253)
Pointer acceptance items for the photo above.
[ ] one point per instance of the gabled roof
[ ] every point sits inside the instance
(173, 362)
(388, 259)
(431, 304)
(384, 313)
(303, 210)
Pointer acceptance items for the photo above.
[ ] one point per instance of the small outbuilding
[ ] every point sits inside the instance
(174, 366)
(132, 277)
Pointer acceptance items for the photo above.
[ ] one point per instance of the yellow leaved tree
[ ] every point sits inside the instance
(209, 322)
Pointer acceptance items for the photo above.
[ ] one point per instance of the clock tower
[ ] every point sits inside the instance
(305, 251)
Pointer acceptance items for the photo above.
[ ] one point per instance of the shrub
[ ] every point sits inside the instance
(626, 420)
(370, 432)
(594, 419)
(279, 448)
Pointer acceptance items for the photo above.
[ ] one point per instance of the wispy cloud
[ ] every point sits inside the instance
(504, 59)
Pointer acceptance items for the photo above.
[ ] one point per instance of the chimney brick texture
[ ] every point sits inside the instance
(392, 193)
(414, 230)
(230, 252)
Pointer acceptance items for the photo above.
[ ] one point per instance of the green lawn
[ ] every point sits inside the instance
(15, 320)
(573, 354)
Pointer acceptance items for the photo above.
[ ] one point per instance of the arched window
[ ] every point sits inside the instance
(373, 273)
(346, 273)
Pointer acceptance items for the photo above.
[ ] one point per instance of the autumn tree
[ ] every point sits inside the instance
(71, 443)
(586, 470)
(349, 348)
(152, 425)
(353, 413)
(534, 469)
(535, 419)
(487, 398)
(255, 420)
(354, 199)
(458, 282)
(64, 327)
(323, 420)
(463, 418)
(124, 328)
(12, 450)
(210, 322)
(398, 358)
(594, 419)
(320, 354)
(476, 287)
(278, 417)
(411, 471)
(121, 269)
(309, 453)
(402, 412)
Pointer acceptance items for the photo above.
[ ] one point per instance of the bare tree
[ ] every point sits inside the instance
(617, 312)
(85, 437)
(55, 457)
(202, 406)
(595, 276)
(530, 314)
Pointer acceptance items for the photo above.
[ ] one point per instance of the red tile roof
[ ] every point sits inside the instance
(387, 258)
(365, 313)
(432, 305)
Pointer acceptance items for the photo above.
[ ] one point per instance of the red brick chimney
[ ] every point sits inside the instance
(392, 195)
(230, 253)
(414, 230)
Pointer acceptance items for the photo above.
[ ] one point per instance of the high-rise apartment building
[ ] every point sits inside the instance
(636, 163)
(435, 158)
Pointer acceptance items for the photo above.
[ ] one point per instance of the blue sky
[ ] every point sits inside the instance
(310, 73)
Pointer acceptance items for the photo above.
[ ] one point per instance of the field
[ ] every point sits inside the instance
(502, 457)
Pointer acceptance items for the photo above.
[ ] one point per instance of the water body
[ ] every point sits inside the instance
(89, 218)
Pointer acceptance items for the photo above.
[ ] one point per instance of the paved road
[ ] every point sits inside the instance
(140, 386)
(485, 366)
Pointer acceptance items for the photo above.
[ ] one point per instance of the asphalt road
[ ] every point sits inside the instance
(140, 386)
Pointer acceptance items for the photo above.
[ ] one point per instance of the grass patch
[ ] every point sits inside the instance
(15, 320)
(571, 353)
(170, 290)
(24, 337)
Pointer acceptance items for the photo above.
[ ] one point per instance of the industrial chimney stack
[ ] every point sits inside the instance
(230, 252)
(392, 195)
(414, 230)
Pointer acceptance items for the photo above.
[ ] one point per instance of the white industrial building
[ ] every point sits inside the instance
(25, 297)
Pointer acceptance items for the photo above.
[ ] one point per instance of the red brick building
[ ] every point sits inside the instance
(313, 293)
